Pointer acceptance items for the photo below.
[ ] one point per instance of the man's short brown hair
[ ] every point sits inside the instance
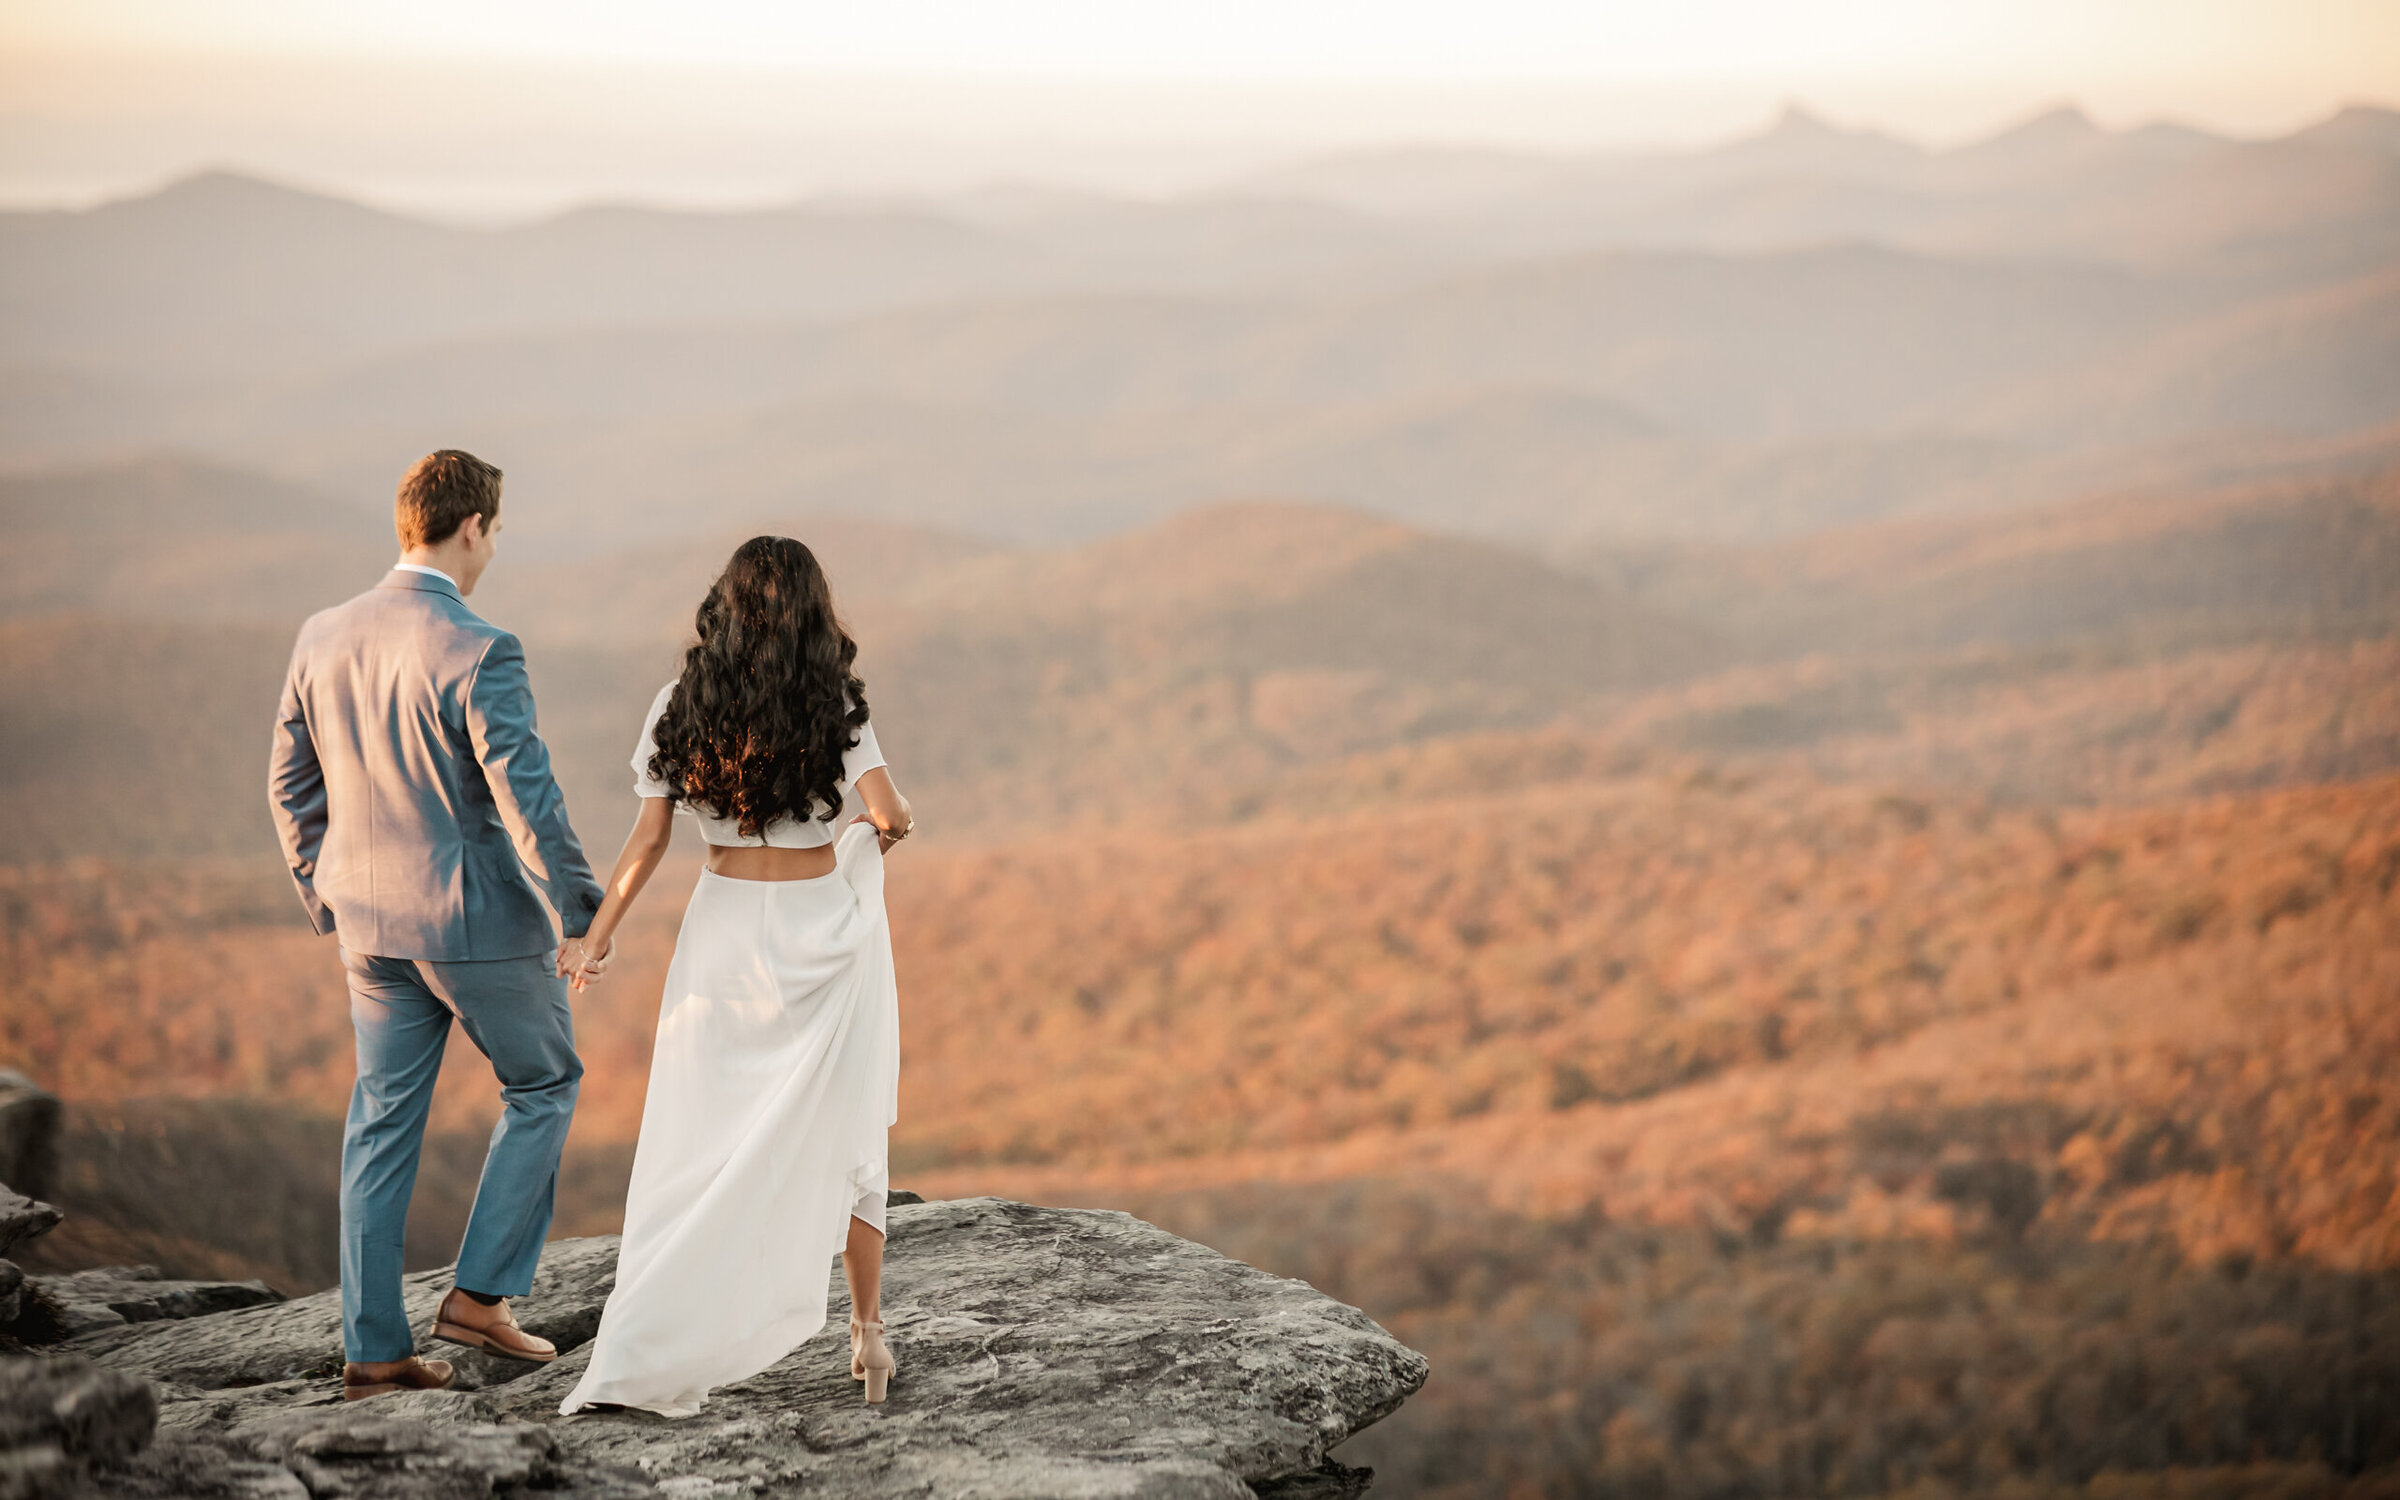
(439, 492)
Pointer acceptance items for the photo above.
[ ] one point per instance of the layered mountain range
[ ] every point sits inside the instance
(1751, 792)
(1806, 327)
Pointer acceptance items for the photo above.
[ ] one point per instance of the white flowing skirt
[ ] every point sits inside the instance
(773, 1083)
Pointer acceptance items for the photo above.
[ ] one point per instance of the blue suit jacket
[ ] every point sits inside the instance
(410, 790)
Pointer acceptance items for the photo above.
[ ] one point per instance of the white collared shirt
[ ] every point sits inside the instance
(409, 567)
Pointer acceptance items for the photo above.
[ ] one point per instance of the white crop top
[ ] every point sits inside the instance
(783, 833)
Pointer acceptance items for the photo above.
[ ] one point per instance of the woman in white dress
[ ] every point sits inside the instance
(777, 1067)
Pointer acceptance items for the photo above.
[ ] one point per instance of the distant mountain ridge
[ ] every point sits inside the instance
(2056, 184)
(1809, 327)
(1614, 392)
(84, 283)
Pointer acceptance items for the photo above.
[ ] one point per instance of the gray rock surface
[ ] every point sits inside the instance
(22, 1219)
(90, 1300)
(29, 1116)
(1043, 1353)
(60, 1416)
(302, 1339)
(27, 1315)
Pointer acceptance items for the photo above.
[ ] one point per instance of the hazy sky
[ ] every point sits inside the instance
(494, 106)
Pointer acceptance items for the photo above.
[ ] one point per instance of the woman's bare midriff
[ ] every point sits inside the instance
(755, 862)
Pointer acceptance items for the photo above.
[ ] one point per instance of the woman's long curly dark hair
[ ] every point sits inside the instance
(767, 705)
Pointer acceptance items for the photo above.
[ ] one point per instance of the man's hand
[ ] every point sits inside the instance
(581, 965)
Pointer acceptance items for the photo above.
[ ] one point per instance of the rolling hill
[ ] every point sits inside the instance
(1027, 685)
(170, 538)
(141, 738)
(223, 274)
(1837, 338)
(2309, 556)
(1619, 393)
(2321, 360)
(1195, 666)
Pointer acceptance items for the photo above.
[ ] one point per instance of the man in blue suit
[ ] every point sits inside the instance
(416, 807)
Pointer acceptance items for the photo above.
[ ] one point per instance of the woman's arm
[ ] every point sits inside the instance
(886, 808)
(582, 962)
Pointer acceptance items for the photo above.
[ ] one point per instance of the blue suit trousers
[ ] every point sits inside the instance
(516, 1013)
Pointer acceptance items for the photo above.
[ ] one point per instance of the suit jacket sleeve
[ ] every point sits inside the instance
(296, 795)
(516, 766)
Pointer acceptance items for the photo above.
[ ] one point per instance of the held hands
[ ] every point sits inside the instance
(581, 964)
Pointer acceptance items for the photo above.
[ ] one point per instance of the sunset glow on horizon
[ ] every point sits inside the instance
(2349, 43)
(504, 109)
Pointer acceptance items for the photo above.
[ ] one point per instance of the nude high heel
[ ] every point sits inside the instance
(871, 1359)
(857, 1370)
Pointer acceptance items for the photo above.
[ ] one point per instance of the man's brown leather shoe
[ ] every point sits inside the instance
(411, 1374)
(494, 1332)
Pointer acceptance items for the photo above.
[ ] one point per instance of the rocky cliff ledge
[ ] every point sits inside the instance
(1043, 1353)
